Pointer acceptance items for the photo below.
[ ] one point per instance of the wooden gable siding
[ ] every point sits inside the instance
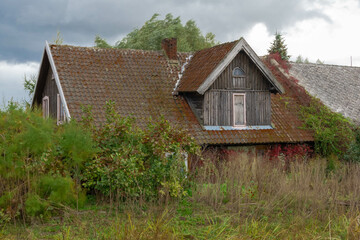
(51, 90)
(254, 79)
(218, 100)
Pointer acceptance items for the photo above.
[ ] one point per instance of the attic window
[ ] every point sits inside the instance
(238, 73)
(238, 80)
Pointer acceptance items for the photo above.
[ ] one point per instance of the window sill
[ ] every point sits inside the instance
(226, 128)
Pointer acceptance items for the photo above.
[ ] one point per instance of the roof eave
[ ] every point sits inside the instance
(57, 80)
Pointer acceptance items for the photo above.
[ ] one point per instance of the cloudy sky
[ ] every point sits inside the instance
(319, 29)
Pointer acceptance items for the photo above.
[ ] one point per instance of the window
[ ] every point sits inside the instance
(238, 72)
(45, 106)
(60, 116)
(239, 109)
(238, 78)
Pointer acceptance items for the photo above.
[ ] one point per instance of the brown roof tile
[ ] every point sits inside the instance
(141, 84)
(196, 71)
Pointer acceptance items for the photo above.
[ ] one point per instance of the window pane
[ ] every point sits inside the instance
(239, 110)
(238, 72)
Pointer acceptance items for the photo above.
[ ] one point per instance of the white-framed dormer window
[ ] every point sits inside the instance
(239, 109)
(45, 106)
(60, 112)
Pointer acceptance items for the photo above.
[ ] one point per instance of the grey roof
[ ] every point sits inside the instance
(338, 87)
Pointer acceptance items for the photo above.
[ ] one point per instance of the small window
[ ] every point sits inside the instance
(238, 72)
(60, 116)
(45, 106)
(238, 79)
(239, 110)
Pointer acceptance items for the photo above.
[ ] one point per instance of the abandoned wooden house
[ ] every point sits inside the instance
(222, 96)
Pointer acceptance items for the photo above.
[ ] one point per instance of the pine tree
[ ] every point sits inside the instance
(279, 46)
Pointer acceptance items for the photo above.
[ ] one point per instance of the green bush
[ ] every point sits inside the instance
(138, 163)
(40, 163)
(353, 153)
(333, 132)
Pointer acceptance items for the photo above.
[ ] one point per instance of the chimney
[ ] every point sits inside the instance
(169, 45)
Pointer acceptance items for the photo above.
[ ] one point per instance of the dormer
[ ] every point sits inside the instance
(228, 87)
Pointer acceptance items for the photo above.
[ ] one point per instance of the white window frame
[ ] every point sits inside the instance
(60, 113)
(233, 105)
(45, 106)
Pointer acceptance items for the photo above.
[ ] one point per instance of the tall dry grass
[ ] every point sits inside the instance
(248, 184)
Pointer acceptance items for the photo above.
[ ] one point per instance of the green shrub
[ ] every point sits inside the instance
(138, 163)
(39, 161)
(332, 132)
(353, 153)
(35, 206)
(59, 190)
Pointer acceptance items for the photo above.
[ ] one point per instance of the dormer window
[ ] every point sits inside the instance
(238, 76)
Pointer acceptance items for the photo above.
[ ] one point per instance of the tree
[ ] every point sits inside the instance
(29, 84)
(299, 59)
(150, 35)
(279, 46)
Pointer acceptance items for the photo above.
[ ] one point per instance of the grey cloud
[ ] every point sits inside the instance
(25, 25)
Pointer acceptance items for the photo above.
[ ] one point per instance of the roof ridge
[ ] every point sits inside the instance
(113, 49)
(219, 45)
(325, 64)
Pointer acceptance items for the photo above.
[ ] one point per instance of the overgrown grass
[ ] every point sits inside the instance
(243, 198)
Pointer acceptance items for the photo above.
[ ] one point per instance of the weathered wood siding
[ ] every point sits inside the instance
(218, 100)
(51, 90)
(254, 79)
(196, 102)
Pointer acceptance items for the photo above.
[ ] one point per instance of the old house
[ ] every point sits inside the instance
(223, 96)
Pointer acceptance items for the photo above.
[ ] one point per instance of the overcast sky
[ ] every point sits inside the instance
(319, 29)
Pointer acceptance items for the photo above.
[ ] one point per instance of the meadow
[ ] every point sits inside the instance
(76, 181)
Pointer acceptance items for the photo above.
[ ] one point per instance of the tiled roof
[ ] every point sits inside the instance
(141, 84)
(338, 87)
(202, 63)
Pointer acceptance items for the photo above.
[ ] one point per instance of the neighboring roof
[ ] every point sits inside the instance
(141, 85)
(338, 87)
(206, 65)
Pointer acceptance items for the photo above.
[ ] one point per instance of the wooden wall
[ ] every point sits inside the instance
(51, 90)
(216, 106)
(196, 102)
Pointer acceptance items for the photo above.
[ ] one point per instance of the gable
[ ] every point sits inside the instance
(254, 79)
(207, 65)
(48, 71)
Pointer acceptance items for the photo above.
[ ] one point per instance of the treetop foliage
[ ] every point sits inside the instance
(300, 59)
(279, 46)
(150, 35)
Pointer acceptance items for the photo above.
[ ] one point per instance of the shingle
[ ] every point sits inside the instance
(201, 64)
